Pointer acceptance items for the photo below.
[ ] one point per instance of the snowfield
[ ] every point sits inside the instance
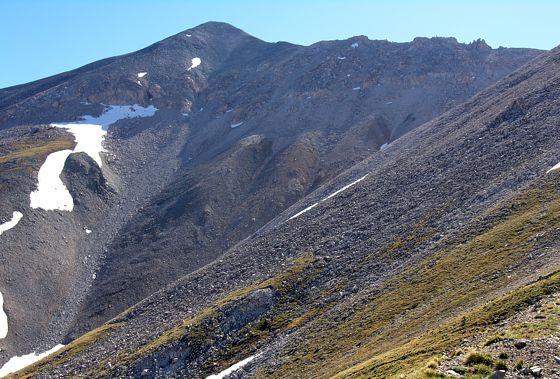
(328, 197)
(345, 187)
(3, 319)
(89, 133)
(303, 211)
(51, 193)
(16, 217)
(17, 363)
(142, 74)
(230, 370)
(89, 139)
(556, 167)
(195, 62)
(114, 113)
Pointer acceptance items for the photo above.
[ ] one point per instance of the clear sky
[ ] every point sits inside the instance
(39, 38)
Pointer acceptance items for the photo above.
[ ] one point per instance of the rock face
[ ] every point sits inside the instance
(237, 139)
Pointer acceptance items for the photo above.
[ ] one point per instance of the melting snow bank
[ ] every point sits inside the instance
(303, 211)
(230, 370)
(345, 187)
(16, 216)
(17, 363)
(3, 319)
(114, 113)
(195, 62)
(51, 193)
(328, 197)
(552, 169)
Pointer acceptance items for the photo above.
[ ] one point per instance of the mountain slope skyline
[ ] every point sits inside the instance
(209, 136)
(130, 25)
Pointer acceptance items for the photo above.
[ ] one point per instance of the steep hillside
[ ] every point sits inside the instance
(448, 234)
(177, 152)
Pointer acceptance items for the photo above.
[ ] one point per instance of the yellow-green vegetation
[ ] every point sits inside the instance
(494, 339)
(67, 352)
(200, 329)
(477, 357)
(544, 323)
(386, 332)
(25, 151)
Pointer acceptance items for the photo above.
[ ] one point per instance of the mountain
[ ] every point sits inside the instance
(448, 235)
(211, 139)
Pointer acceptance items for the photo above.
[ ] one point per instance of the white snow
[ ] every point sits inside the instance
(229, 110)
(354, 45)
(233, 126)
(17, 363)
(142, 74)
(87, 231)
(89, 139)
(341, 58)
(384, 146)
(16, 216)
(188, 35)
(185, 114)
(230, 370)
(345, 187)
(328, 197)
(195, 62)
(114, 113)
(356, 88)
(552, 169)
(303, 211)
(51, 193)
(3, 319)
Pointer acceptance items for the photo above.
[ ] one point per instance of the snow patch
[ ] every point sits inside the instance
(89, 139)
(142, 74)
(185, 114)
(328, 197)
(3, 319)
(16, 216)
(195, 62)
(303, 211)
(51, 193)
(114, 113)
(355, 45)
(356, 88)
(230, 370)
(188, 35)
(551, 169)
(345, 187)
(17, 363)
(233, 126)
(341, 58)
(87, 231)
(384, 146)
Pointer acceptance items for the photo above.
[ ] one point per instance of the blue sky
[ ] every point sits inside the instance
(39, 38)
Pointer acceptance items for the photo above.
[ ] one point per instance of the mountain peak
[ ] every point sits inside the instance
(216, 28)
